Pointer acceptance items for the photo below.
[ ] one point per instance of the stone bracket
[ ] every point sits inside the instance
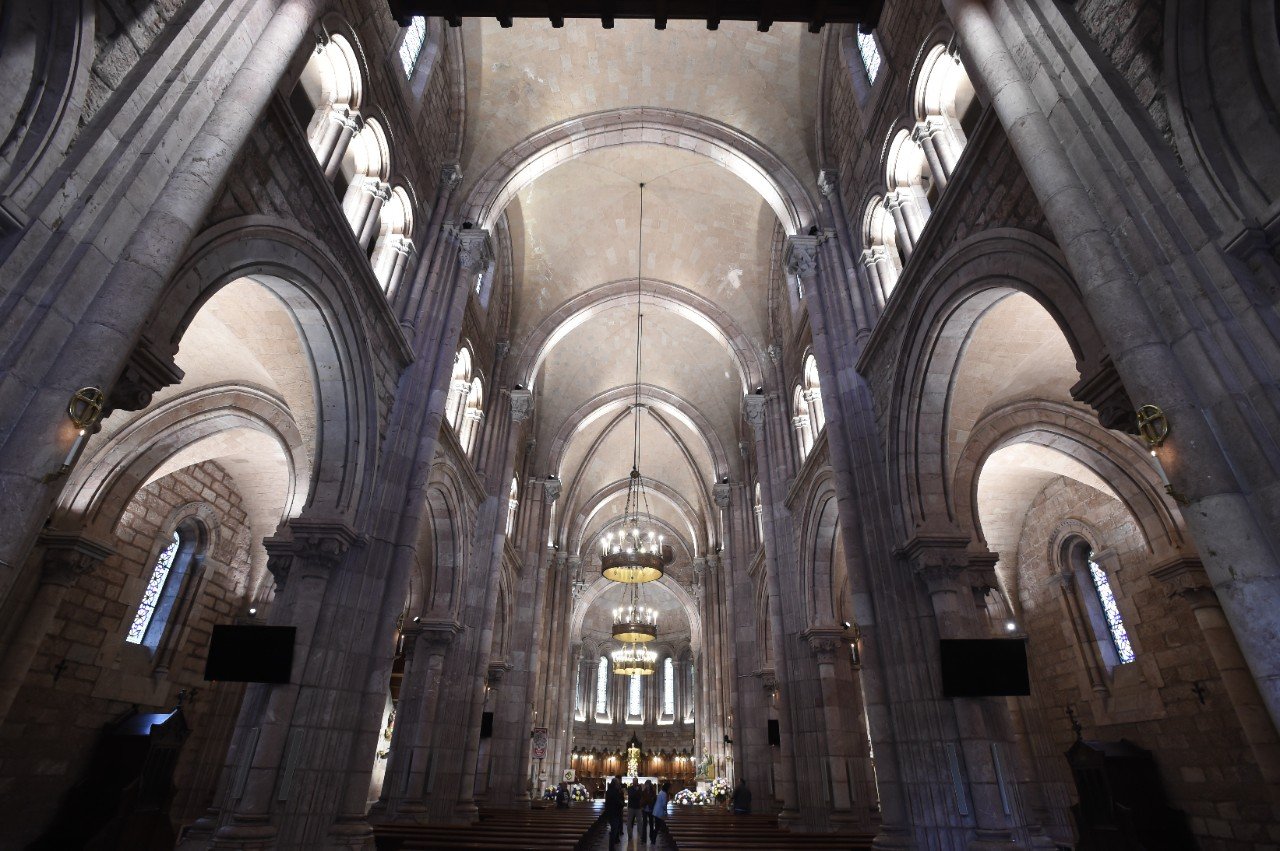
(145, 373)
(1102, 390)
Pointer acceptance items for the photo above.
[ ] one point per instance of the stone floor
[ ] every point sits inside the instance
(632, 842)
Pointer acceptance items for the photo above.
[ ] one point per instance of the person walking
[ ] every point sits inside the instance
(648, 795)
(614, 802)
(742, 799)
(660, 812)
(633, 804)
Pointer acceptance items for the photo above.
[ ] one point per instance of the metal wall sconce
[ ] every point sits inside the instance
(1153, 428)
(85, 412)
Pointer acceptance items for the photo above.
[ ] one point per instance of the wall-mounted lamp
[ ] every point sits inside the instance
(253, 611)
(85, 412)
(1153, 428)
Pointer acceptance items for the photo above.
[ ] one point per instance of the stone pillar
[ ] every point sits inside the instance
(840, 718)
(1185, 578)
(943, 565)
(363, 205)
(930, 135)
(410, 763)
(907, 218)
(66, 557)
(341, 126)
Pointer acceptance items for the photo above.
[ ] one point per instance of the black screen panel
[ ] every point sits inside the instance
(984, 667)
(250, 654)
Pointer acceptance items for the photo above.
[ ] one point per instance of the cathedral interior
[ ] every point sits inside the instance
(406, 410)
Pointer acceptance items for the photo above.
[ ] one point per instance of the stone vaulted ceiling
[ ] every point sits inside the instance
(710, 240)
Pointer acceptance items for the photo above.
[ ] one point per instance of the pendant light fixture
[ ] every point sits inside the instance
(636, 552)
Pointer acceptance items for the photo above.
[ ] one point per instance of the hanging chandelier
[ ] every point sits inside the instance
(633, 623)
(634, 659)
(637, 553)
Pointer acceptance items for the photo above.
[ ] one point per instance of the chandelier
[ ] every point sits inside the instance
(637, 553)
(633, 659)
(633, 623)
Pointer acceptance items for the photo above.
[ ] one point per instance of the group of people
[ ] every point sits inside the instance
(646, 805)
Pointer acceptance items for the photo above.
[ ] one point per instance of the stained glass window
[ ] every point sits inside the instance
(151, 597)
(870, 55)
(1115, 623)
(415, 35)
(668, 687)
(602, 686)
(633, 696)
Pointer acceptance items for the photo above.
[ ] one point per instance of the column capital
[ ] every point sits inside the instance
(521, 404)
(319, 545)
(70, 555)
(497, 670)
(721, 492)
(475, 248)
(942, 561)
(828, 181)
(433, 633)
(801, 256)
(768, 681)
(753, 411)
(450, 175)
(551, 487)
(1184, 576)
(824, 642)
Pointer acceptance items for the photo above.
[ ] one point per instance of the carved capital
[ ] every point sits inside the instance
(147, 371)
(801, 256)
(497, 670)
(68, 556)
(475, 249)
(753, 412)
(942, 562)
(521, 405)
(551, 487)
(721, 494)
(1101, 389)
(436, 635)
(825, 643)
(1184, 577)
(450, 176)
(311, 545)
(768, 681)
(775, 352)
(501, 349)
(828, 181)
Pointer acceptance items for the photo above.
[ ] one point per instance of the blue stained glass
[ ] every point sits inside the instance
(151, 597)
(1115, 623)
(415, 35)
(668, 687)
(870, 55)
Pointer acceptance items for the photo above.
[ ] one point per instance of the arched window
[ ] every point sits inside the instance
(361, 181)
(415, 35)
(472, 416)
(1111, 611)
(327, 99)
(393, 250)
(910, 190)
(635, 709)
(602, 687)
(690, 692)
(513, 502)
(881, 258)
(759, 516)
(459, 389)
(813, 395)
(869, 52)
(160, 595)
(946, 111)
(803, 425)
(668, 688)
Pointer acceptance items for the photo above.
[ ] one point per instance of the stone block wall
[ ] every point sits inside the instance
(124, 31)
(86, 676)
(1131, 34)
(1205, 764)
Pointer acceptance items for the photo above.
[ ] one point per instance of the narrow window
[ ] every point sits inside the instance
(602, 686)
(513, 502)
(668, 687)
(154, 594)
(1115, 623)
(633, 697)
(870, 54)
(415, 35)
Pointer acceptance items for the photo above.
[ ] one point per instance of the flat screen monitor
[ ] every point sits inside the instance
(250, 654)
(984, 667)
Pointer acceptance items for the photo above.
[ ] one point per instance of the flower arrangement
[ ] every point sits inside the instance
(692, 797)
(720, 788)
(577, 792)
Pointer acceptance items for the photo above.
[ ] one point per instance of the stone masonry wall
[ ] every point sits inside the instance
(85, 675)
(124, 30)
(1205, 765)
(1131, 34)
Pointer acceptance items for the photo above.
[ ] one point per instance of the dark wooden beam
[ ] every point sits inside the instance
(815, 13)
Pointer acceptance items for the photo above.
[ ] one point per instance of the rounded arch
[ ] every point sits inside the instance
(575, 527)
(744, 157)
(441, 549)
(593, 591)
(335, 73)
(1118, 461)
(704, 313)
(820, 534)
(100, 489)
(970, 278)
(327, 316)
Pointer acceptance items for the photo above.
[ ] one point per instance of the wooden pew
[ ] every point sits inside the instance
(510, 830)
(698, 828)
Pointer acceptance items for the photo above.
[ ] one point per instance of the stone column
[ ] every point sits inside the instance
(341, 126)
(66, 557)
(409, 766)
(907, 219)
(363, 205)
(926, 134)
(840, 716)
(1185, 578)
(943, 565)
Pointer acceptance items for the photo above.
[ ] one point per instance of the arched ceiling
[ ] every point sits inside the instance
(709, 245)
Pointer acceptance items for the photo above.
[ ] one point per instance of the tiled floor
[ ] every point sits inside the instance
(632, 842)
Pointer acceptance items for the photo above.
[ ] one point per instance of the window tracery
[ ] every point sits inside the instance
(151, 596)
(602, 686)
(869, 52)
(1110, 610)
(415, 36)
